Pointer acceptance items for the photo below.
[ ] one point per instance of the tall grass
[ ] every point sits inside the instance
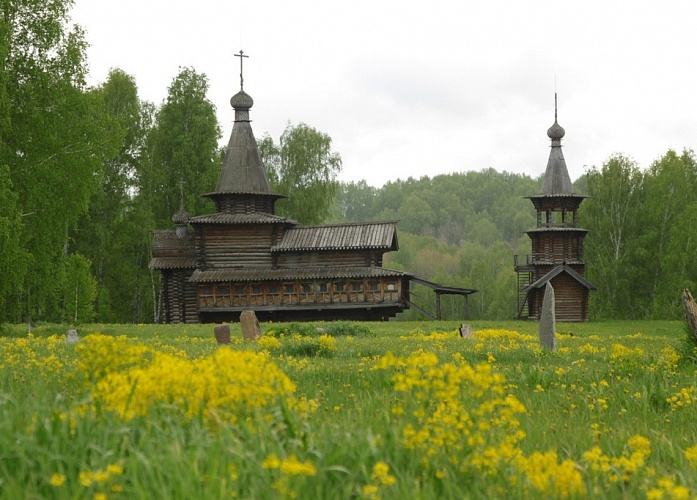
(380, 410)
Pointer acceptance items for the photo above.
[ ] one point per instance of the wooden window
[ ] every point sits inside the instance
(206, 290)
(289, 288)
(256, 289)
(306, 287)
(356, 287)
(273, 289)
(222, 290)
(339, 287)
(239, 289)
(323, 288)
(391, 287)
(373, 286)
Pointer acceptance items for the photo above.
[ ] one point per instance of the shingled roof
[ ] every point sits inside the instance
(251, 218)
(353, 236)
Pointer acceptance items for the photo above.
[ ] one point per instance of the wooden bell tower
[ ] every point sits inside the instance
(557, 244)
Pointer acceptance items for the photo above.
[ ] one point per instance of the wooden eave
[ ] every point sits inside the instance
(250, 218)
(216, 194)
(396, 307)
(311, 273)
(557, 195)
(557, 230)
(163, 263)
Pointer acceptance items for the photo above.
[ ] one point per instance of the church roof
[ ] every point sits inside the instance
(242, 170)
(377, 235)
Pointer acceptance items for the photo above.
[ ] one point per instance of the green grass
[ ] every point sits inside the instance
(608, 383)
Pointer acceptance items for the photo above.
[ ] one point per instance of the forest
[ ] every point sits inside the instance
(87, 172)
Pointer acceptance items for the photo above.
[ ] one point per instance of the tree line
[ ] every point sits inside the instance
(87, 172)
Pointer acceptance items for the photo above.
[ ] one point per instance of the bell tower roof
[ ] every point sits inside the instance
(556, 180)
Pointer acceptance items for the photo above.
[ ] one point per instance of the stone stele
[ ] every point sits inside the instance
(71, 337)
(222, 334)
(250, 325)
(466, 330)
(548, 336)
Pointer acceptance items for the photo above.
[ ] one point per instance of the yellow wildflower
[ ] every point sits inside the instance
(57, 479)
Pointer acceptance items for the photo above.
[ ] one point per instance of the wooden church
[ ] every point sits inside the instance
(557, 244)
(243, 256)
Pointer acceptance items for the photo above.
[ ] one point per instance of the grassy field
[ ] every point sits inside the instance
(355, 410)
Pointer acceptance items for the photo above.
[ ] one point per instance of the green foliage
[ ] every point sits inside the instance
(304, 168)
(182, 145)
(448, 207)
(13, 257)
(641, 244)
(54, 138)
(346, 328)
(78, 290)
(611, 215)
(688, 347)
(102, 234)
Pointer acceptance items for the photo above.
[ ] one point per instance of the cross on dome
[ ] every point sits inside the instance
(241, 56)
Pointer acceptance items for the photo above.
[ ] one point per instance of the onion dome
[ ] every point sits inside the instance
(556, 131)
(242, 100)
(181, 217)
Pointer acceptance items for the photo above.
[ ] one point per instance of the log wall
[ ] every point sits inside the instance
(234, 246)
(329, 258)
(571, 300)
(558, 247)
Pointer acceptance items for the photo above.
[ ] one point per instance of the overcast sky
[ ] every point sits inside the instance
(407, 88)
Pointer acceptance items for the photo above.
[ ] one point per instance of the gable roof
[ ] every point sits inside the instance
(353, 236)
(562, 268)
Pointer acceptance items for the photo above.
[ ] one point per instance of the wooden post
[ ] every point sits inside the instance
(437, 305)
(690, 312)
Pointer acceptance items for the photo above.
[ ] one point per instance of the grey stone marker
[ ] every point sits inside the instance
(548, 336)
(71, 337)
(250, 325)
(466, 330)
(222, 334)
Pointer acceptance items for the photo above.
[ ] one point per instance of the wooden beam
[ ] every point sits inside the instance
(411, 304)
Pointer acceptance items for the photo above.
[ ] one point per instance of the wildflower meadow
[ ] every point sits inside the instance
(349, 410)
